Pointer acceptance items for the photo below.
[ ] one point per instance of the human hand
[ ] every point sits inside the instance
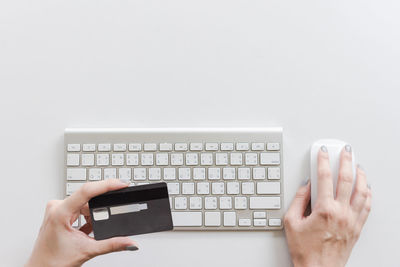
(327, 236)
(59, 244)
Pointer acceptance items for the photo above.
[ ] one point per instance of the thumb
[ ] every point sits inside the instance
(300, 201)
(113, 245)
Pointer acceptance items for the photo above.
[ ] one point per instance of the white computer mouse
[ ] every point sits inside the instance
(334, 149)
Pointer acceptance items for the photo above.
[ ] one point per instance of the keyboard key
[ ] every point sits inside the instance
(274, 173)
(274, 222)
(102, 159)
(236, 158)
(195, 203)
(259, 215)
(177, 159)
(212, 218)
(180, 203)
(94, 174)
(184, 174)
(229, 173)
(87, 159)
(210, 203)
(232, 188)
(132, 159)
(104, 147)
(265, 203)
(110, 173)
(72, 159)
(196, 146)
(147, 159)
(76, 174)
(192, 159)
(251, 159)
(218, 188)
(244, 173)
(187, 188)
(270, 158)
(89, 148)
(162, 159)
(154, 174)
(260, 222)
(259, 173)
(214, 173)
(257, 146)
(169, 174)
(229, 218)
(199, 173)
(72, 188)
(119, 147)
(124, 173)
(225, 203)
(180, 147)
(247, 188)
(150, 147)
(273, 146)
(73, 147)
(139, 173)
(221, 159)
(244, 222)
(268, 188)
(240, 203)
(173, 188)
(242, 146)
(188, 218)
(226, 146)
(117, 159)
(135, 147)
(203, 188)
(165, 147)
(206, 159)
(212, 146)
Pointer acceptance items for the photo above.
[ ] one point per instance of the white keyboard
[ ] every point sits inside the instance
(218, 179)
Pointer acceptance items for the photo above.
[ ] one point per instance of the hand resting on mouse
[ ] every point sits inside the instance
(327, 236)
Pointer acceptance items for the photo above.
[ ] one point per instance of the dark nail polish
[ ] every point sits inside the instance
(306, 181)
(131, 248)
(347, 148)
(324, 149)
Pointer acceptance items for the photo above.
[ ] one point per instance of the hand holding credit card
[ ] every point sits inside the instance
(131, 211)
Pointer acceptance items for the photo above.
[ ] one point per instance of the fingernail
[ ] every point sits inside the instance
(305, 182)
(360, 167)
(132, 248)
(324, 149)
(347, 148)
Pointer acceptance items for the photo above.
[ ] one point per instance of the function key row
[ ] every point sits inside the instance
(177, 147)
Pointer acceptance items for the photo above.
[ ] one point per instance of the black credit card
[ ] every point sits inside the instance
(131, 211)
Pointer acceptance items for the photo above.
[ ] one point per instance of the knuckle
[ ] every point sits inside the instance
(324, 173)
(288, 221)
(368, 207)
(346, 176)
(326, 213)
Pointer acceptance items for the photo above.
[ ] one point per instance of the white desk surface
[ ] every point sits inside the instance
(317, 68)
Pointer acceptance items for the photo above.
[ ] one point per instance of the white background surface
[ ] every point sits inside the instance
(317, 68)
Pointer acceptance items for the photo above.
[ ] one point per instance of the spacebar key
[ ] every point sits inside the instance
(187, 218)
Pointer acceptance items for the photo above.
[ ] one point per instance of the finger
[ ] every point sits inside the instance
(112, 245)
(78, 199)
(86, 228)
(85, 210)
(361, 191)
(325, 184)
(345, 179)
(300, 201)
(366, 209)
